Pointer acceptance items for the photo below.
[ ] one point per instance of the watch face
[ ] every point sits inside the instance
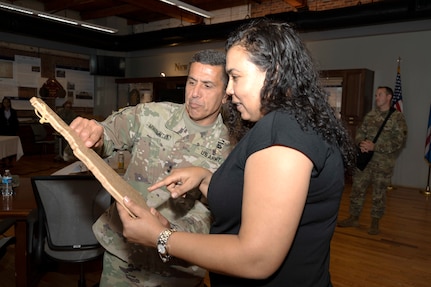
(161, 249)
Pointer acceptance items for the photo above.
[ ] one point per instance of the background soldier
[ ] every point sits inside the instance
(379, 170)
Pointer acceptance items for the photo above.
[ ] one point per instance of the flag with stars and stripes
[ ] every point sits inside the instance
(397, 99)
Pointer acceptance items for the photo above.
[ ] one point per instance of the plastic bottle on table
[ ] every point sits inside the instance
(7, 183)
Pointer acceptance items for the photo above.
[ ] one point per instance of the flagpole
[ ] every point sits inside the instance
(427, 156)
(397, 90)
(427, 191)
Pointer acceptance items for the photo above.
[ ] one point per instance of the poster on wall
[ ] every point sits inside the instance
(79, 86)
(28, 71)
(19, 77)
(6, 69)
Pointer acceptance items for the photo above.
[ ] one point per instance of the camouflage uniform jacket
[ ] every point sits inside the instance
(158, 139)
(390, 141)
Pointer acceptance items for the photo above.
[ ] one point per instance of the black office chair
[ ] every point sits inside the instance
(41, 137)
(5, 241)
(68, 205)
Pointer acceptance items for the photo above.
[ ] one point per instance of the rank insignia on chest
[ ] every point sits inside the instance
(221, 143)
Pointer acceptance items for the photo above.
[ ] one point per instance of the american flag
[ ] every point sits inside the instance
(397, 99)
(428, 141)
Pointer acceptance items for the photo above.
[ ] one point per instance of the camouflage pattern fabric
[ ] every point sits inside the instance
(117, 273)
(158, 137)
(379, 170)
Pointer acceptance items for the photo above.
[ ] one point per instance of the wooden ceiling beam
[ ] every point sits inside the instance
(296, 3)
(223, 4)
(53, 5)
(138, 11)
(110, 11)
(169, 10)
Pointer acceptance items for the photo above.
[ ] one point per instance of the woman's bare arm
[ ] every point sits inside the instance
(275, 190)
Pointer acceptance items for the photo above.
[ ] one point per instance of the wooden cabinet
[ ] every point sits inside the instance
(355, 88)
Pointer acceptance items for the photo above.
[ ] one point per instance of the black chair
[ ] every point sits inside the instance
(41, 137)
(68, 205)
(5, 225)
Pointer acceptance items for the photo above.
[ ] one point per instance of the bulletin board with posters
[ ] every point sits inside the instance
(78, 84)
(20, 80)
(19, 77)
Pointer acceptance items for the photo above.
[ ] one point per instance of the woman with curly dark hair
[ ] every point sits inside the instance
(275, 199)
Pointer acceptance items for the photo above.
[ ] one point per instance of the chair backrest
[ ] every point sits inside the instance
(39, 132)
(5, 224)
(69, 205)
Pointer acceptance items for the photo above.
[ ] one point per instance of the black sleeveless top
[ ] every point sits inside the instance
(307, 263)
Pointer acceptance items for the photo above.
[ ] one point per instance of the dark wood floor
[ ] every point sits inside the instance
(399, 256)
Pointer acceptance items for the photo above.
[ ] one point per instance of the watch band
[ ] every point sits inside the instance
(162, 242)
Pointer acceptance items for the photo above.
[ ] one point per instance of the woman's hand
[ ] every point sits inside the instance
(181, 180)
(89, 131)
(145, 228)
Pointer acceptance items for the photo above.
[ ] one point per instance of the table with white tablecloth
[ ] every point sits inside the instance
(10, 145)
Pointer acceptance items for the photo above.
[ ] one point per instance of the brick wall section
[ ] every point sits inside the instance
(278, 6)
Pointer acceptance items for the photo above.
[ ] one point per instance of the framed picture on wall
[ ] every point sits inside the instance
(6, 69)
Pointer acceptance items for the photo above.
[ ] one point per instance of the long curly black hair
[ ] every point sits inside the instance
(236, 126)
(292, 82)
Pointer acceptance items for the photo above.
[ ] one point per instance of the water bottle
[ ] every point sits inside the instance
(7, 183)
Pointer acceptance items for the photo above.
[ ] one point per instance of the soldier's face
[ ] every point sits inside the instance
(205, 93)
(383, 100)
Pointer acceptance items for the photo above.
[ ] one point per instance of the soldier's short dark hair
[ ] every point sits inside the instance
(213, 58)
(389, 91)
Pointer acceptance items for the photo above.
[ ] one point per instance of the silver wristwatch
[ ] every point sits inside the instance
(162, 242)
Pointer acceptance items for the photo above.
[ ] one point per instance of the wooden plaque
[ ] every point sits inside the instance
(110, 180)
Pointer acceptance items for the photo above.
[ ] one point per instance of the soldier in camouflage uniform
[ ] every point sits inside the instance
(160, 137)
(379, 170)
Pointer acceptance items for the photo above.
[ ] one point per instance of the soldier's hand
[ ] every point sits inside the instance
(90, 131)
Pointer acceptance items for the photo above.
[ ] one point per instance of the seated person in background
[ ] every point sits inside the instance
(66, 113)
(134, 97)
(9, 124)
